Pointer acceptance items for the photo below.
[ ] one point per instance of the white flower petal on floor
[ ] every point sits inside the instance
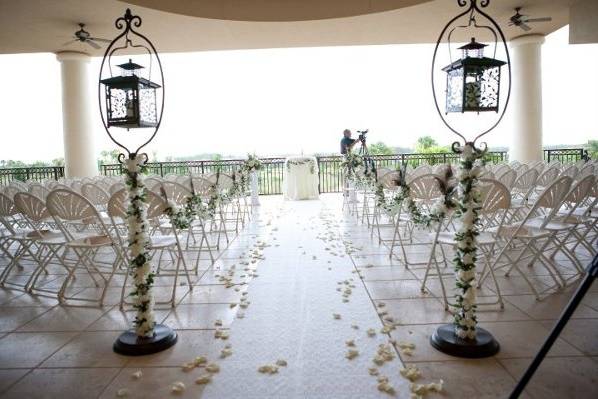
(177, 387)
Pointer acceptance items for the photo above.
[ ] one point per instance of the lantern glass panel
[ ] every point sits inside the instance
(122, 103)
(147, 105)
(454, 90)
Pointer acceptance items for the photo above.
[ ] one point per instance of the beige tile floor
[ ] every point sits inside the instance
(52, 351)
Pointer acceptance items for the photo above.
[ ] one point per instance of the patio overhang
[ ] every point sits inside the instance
(183, 26)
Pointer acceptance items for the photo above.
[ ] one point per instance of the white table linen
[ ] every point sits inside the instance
(300, 178)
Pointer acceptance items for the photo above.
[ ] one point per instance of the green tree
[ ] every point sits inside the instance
(427, 145)
(592, 148)
(108, 157)
(380, 148)
(425, 142)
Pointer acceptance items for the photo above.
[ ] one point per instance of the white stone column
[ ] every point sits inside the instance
(77, 105)
(526, 98)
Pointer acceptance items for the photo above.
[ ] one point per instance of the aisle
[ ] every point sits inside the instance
(297, 291)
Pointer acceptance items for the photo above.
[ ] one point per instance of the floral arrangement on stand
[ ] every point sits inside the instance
(139, 243)
(251, 164)
(350, 164)
(464, 199)
(302, 161)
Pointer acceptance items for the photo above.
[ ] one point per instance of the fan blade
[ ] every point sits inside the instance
(525, 27)
(99, 39)
(70, 42)
(543, 19)
(93, 44)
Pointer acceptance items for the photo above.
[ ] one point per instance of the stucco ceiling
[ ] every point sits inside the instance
(196, 25)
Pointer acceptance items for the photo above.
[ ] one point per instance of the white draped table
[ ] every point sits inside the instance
(300, 178)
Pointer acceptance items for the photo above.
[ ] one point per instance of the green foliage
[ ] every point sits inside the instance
(424, 143)
(380, 148)
(592, 148)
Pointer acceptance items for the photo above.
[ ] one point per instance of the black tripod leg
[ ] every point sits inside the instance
(583, 288)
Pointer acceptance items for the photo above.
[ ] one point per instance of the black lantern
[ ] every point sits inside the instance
(473, 82)
(130, 99)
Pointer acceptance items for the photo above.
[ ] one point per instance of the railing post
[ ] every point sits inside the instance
(319, 174)
(161, 170)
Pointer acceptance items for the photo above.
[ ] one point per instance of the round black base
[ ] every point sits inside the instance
(445, 340)
(129, 344)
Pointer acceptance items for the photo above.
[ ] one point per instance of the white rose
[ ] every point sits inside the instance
(467, 259)
(469, 295)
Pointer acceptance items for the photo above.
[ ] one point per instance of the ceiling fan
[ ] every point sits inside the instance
(522, 20)
(84, 36)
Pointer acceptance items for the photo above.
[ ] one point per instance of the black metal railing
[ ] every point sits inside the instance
(271, 175)
(37, 173)
(565, 155)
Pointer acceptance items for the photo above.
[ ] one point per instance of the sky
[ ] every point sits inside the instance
(291, 101)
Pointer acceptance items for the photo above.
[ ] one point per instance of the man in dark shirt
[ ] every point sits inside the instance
(347, 142)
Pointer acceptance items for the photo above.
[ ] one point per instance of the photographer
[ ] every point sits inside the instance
(347, 142)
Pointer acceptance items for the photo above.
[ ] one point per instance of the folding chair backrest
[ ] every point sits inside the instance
(7, 206)
(540, 166)
(587, 170)
(526, 180)
(38, 190)
(61, 186)
(31, 206)
(547, 177)
(570, 171)
(176, 192)
(422, 170)
(76, 186)
(500, 169)
(18, 185)
(389, 180)
(156, 205)
(382, 171)
(507, 177)
(152, 181)
(201, 186)
(225, 182)
(117, 187)
(425, 187)
(521, 169)
(10, 191)
(580, 190)
(95, 194)
(553, 195)
(212, 178)
(69, 205)
(117, 204)
(494, 196)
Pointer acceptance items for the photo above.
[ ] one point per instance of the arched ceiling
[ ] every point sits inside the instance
(275, 10)
(45, 25)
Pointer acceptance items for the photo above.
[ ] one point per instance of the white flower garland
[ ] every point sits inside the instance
(302, 161)
(467, 205)
(466, 237)
(139, 243)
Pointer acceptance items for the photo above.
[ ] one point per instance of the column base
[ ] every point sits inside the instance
(129, 344)
(445, 340)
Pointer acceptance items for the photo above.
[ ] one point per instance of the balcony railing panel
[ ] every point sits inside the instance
(270, 177)
(37, 173)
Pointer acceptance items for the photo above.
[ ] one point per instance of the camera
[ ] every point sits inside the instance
(362, 134)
